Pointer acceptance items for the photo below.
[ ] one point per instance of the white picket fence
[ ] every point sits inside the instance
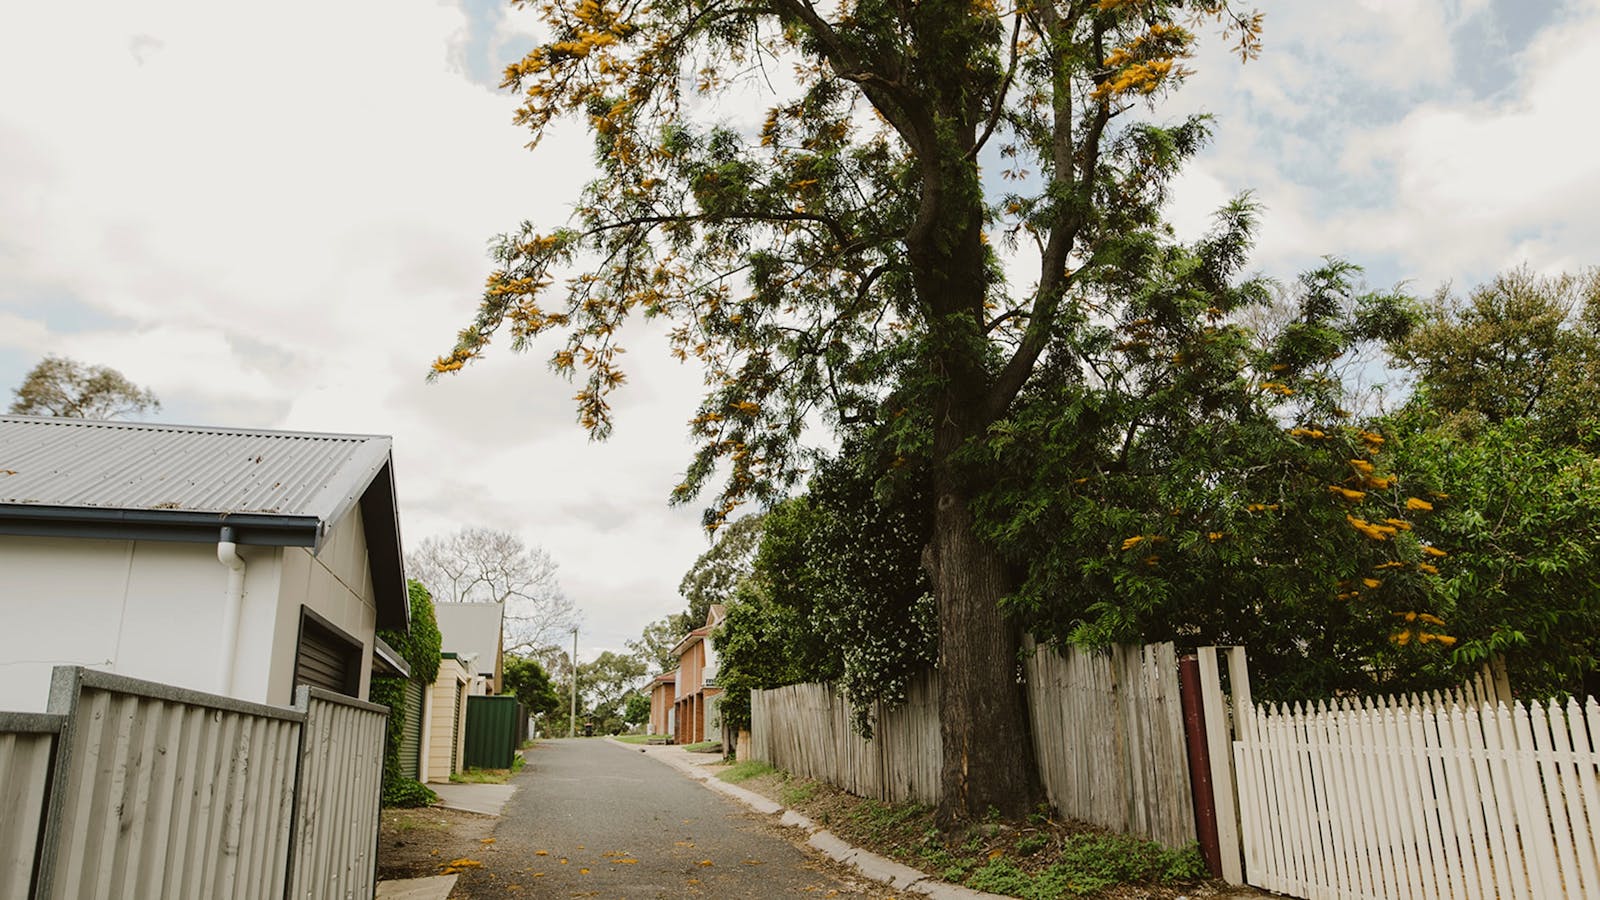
(1447, 795)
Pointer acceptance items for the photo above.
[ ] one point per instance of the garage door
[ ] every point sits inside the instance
(411, 732)
(327, 659)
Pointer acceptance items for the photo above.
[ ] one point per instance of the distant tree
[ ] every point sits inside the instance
(64, 387)
(485, 565)
(717, 572)
(606, 680)
(637, 710)
(656, 642)
(1522, 345)
(531, 684)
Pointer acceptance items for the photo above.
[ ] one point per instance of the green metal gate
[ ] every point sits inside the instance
(491, 732)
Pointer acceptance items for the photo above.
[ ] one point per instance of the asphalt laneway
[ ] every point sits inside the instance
(596, 819)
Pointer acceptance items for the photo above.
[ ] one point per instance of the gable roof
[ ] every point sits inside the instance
(471, 629)
(148, 481)
(714, 617)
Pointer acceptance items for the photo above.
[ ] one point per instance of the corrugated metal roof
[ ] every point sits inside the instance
(145, 466)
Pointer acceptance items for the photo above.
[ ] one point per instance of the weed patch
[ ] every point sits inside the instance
(745, 771)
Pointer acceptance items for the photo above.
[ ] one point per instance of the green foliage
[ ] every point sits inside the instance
(407, 793)
(1207, 487)
(716, 574)
(58, 386)
(838, 593)
(606, 680)
(1521, 346)
(528, 680)
(744, 771)
(1088, 864)
(637, 710)
(658, 639)
(1504, 425)
(1519, 517)
(419, 647)
(854, 250)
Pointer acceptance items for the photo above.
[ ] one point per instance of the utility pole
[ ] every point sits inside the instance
(572, 727)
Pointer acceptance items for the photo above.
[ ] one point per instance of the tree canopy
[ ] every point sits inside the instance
(59, 386)
(939, 198)
(717, 572)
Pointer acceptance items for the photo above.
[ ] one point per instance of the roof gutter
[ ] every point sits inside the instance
(259, 529)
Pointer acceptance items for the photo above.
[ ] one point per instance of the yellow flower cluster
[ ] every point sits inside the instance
(1277, 387)
(1345, 492)
(1376, 532)
(1315, 434)
(1402, 638)
(1138, 539)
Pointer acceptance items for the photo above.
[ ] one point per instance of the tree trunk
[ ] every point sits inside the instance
(983, 720)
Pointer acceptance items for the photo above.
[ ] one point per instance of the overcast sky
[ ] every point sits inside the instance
(275, 215)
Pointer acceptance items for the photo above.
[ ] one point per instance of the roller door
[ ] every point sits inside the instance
(327, 659)
(411, 731)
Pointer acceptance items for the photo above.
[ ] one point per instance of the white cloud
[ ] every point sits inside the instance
(276, 215)
(285, 211)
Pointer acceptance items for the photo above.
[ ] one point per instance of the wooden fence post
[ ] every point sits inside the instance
(1194, 734)
(1224, 787)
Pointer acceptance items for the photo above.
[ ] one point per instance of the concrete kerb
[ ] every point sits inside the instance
(870, 865)
(433, 887)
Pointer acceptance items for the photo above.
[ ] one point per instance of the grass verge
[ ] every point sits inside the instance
(632, 738)
(745, 771)
(485, 776)
(704, 747)
(1036, 859)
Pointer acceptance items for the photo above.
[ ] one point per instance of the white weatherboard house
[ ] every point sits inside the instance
(233, 561)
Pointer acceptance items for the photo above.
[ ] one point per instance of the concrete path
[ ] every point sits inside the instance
(593, 818)
(486, 799)
(435, 888)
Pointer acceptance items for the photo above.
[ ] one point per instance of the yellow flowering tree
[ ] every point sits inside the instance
(1207, 487)
(853, 243)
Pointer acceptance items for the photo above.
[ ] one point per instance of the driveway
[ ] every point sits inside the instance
(596, 819)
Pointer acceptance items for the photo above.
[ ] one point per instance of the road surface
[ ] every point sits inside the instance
(592, 818)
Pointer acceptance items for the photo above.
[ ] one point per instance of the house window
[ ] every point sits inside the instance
(327, 657)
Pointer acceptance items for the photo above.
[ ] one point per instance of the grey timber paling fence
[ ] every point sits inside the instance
(133, 789)
(805, 729)
(1108, 734)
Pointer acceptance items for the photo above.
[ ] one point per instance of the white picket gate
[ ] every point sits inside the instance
(1419, 797)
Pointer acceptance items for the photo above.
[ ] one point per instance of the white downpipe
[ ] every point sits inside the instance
(232, 602)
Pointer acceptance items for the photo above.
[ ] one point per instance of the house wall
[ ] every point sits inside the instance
(691, 668)
(146, 609)
(446, 721)
(661, 699)
(336, 584)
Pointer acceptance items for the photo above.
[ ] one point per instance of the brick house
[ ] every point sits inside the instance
(695, 703)
(663, 693)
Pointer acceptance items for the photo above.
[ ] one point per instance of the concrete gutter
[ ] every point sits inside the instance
(871, 865)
